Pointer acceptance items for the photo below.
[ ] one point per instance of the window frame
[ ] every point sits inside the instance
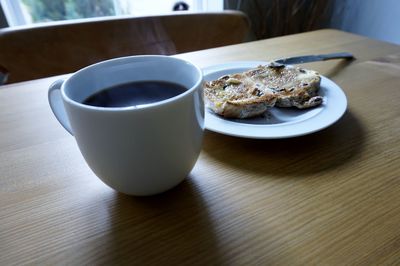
(15, 15)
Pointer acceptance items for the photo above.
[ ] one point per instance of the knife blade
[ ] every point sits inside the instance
(314, 58)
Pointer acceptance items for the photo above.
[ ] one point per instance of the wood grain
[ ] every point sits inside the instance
(329, 198)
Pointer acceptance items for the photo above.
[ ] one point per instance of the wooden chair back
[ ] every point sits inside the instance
(33, 52)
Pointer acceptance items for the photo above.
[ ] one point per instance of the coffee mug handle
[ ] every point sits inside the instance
(57, 106)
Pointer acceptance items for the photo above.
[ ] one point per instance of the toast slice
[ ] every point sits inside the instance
(252, 92)
(238, 96)
(294, 86)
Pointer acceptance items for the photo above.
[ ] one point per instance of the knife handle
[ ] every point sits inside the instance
(344, 55)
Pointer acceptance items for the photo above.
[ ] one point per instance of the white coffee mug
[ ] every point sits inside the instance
(137, 150)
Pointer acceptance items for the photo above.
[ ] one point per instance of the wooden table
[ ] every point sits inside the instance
(329, 198)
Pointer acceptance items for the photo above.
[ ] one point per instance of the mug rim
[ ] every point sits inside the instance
(141, 107)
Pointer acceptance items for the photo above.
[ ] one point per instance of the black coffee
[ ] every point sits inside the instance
(134, 94)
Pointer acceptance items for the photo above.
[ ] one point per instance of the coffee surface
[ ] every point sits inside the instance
(135, 94)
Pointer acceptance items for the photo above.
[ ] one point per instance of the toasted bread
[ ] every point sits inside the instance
(238, 96)
(252, 92)
(294, 86)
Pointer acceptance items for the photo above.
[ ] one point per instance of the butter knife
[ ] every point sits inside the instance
(312, 58)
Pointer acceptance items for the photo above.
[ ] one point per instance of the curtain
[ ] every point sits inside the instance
(271, 18)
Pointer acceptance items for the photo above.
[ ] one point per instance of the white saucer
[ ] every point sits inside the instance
(277, 122)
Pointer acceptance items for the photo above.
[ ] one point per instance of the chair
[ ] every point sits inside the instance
(32, 52)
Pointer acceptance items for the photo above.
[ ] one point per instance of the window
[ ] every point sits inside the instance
(21, 12)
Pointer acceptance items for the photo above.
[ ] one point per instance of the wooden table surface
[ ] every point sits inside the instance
(328, 198)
